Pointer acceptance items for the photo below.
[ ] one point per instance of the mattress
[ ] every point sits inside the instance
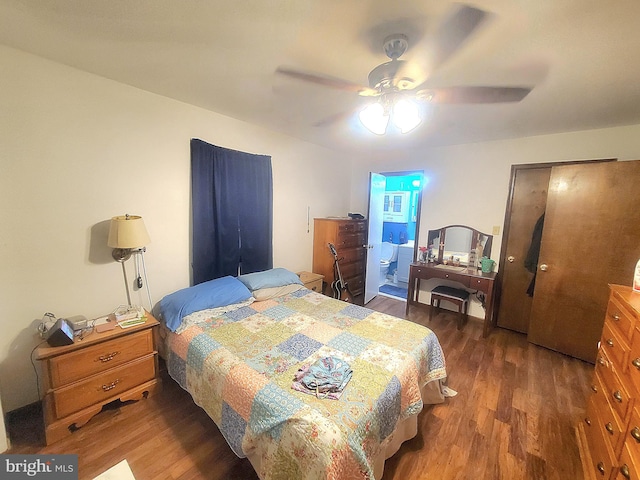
(239, 367)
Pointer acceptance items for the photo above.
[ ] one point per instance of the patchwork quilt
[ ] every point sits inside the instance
(239, 367)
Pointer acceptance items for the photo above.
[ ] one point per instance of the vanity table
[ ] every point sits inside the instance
(470, 278)
(463, 246)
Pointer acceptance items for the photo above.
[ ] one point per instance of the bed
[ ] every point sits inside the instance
(235, 344)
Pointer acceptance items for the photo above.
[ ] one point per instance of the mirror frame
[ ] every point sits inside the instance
(442, 234)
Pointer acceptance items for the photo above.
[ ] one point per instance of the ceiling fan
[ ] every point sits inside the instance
(396, 91)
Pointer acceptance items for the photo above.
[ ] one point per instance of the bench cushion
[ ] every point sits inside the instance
(451, 292)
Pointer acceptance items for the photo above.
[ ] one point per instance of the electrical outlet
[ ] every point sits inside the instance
(496, 230)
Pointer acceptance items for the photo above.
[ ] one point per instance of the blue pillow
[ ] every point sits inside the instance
(212, 294)
(276, 277)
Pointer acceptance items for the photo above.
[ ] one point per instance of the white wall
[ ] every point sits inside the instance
(77, 149)
(4, 438)
(468, 184)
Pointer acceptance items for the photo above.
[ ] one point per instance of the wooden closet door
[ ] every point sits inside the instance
(591, 238)
(526, 205)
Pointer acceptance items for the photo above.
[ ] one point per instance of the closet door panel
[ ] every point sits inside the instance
(590, 239)
(527, 204)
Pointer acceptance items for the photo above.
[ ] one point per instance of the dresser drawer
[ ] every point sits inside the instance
(356, 285)
(351, 255)
(84, 362)
(622, 318)
(633, 361)
(352, 269)
(345, 240)
(602, 456)
(608, 423)
(617, 349)
(627, 469)
(632, 438)
(99, 387)
(617, 394)
(351, 226)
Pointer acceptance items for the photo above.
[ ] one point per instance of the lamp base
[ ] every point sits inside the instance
(121, 254)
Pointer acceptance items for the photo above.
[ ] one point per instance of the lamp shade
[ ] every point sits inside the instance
(374, 118)
(127, 231)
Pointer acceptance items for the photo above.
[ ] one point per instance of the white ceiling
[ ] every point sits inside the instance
(581, 56)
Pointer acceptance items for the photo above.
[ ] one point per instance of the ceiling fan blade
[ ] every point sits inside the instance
(336, 118)
(327, 81)
(454, 31)
(473, 94)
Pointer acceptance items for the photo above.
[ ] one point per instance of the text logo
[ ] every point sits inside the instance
(50, 467)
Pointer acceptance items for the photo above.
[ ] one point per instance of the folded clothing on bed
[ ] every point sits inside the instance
(326, 377)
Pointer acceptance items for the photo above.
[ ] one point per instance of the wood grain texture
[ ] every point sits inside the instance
(513, 418)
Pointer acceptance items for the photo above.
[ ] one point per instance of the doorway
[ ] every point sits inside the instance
(394, 219)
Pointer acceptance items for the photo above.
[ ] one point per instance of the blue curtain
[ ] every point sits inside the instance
(232, 205)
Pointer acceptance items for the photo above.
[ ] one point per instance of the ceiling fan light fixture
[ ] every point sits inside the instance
(405, 115)
(373, 117)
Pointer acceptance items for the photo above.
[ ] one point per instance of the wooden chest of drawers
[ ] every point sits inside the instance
(102, 367)
(609, 435)
(350, 239)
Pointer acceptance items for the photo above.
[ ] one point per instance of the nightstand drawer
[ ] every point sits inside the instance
(312, 281)
(88, 361)
(315, 286)
(104, 385)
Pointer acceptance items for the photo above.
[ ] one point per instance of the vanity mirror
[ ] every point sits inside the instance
(459, 245)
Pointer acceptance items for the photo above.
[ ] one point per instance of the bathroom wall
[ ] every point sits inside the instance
(399, 232)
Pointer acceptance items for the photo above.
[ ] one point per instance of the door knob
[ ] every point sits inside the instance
(511, 258)
(544, 267)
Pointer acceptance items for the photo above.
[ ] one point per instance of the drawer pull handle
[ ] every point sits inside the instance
(602, 362)
(587, 420)
(111, 386)
(624, 470)
(636, 363)
(594, 388)
(108, 357)
(617, 396)
(616, 317)
(635, 433)
(609, 428)
(600, 467)
(610, 342)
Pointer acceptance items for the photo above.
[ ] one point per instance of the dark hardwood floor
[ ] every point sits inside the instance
(514, 418)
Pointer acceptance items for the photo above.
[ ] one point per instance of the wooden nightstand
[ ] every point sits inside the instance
(313, 281)
(80, 378)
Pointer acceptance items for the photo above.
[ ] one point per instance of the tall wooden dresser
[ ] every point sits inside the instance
(609, 435)
(350, 239)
